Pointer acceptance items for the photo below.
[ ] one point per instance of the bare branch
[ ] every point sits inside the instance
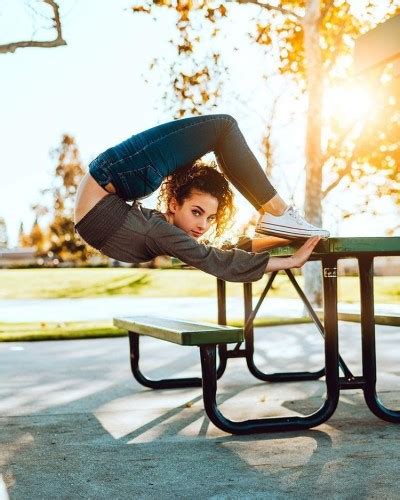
(341, 174)
(267, 6)
(12, 47)
(339, 142)
(347, 169)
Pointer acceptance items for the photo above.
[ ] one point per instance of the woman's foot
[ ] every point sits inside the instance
(288, 225)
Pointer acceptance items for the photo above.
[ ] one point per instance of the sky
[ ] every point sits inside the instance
(94, 89)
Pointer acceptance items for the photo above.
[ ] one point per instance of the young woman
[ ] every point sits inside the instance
(197, 197)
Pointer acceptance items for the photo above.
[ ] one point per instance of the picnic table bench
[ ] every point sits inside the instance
(208, 337)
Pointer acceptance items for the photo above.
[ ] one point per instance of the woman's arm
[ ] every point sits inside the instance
(299, 258)
(230, 264)
(266, 242)
(234, 264)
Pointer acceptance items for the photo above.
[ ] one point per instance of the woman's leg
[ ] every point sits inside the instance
(137, 166)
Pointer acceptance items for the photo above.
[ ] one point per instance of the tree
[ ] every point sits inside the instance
(58, 41)
(196, 73)
(62, 242)
(21, 235)
(3, 233)
(35, 238)
(312, 41)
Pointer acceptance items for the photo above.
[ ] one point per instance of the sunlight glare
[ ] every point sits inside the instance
(347, 105)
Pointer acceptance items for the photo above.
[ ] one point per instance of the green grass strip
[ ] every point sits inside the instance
(21, 332)
(135, 282)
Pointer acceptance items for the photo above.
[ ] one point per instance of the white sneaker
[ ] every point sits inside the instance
(288, 225)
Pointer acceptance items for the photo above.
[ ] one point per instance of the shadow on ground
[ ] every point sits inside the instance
(74, 424)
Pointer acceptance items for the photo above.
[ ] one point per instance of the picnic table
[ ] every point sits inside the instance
(328, 252)
(210, 337)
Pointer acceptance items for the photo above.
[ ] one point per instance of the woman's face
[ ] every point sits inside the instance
(196, 214)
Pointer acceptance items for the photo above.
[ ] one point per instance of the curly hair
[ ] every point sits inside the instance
(203, 177)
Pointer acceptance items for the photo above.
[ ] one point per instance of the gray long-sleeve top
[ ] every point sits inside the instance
(138, 234)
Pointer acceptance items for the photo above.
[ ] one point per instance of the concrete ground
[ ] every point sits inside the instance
(74, 424)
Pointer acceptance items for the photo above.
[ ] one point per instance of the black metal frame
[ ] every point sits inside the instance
(368, 380)
(334, 383)
(170, 383)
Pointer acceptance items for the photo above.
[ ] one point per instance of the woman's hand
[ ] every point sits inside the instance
(300, 257)
(296, 260)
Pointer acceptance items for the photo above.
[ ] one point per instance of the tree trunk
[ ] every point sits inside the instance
(313, 188)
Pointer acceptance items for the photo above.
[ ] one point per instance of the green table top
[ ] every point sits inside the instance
(346, 247)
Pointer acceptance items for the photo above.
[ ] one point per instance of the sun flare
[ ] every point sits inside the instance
(347, 105)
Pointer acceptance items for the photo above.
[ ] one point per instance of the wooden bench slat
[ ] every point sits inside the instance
(179, 331)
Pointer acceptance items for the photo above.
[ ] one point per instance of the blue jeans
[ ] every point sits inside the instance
(137, 166)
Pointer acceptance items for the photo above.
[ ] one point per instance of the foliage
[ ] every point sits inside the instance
(374, 145)
(367, 152)
(36, 239)
(312, 42)
(58, 241)
(196, 75)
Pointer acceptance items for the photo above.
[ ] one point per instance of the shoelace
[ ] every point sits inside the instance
(296, 215)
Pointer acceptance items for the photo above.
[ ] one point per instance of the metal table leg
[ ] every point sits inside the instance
(248, 352)
(249, 339)
(172, 383)
(222, 349)
(268, 424)
(329, 267)
(366, 266)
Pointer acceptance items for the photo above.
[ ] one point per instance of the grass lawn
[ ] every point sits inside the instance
(13, 332)
(106, 282)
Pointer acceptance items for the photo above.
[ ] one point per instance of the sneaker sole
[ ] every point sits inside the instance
(287, 234)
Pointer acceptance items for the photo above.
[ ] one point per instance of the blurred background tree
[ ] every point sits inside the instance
(351, 126)
(3, 233)
(64, 242)
(312, 42)
(58, 241)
